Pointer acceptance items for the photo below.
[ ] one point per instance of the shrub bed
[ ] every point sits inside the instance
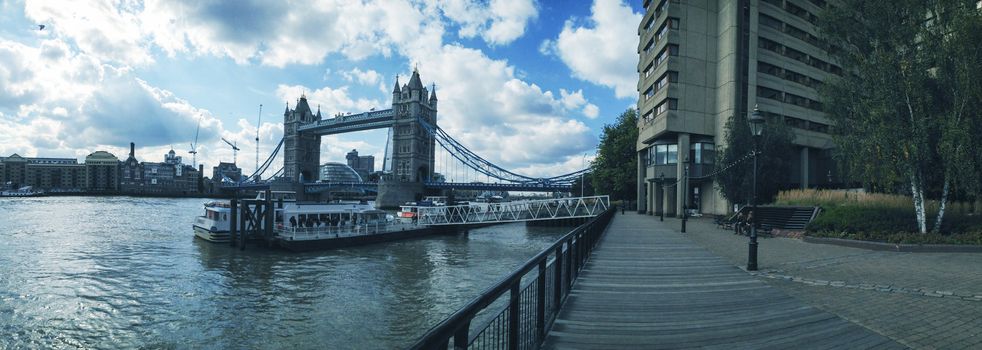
(893, 225)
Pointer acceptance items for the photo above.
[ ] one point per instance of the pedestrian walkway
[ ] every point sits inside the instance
(649, 287)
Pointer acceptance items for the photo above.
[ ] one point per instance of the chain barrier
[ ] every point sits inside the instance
(717, 172)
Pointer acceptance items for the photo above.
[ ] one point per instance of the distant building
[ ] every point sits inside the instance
(224, 172)
(363, 165)
(337, 172)
(101, 172)
(167, 178)
(50, 174)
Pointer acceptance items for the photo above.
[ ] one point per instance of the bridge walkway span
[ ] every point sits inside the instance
(646, 286)
(518, 211)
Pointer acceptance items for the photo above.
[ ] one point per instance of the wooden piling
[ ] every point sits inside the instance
(233, 223)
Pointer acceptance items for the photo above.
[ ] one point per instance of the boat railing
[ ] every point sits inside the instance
(326, 232)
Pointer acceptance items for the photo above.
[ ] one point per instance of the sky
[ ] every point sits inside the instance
(526, 84)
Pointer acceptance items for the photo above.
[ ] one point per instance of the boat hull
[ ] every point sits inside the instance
(212, 236)
(333, 243)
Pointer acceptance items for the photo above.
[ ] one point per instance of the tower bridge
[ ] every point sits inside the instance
(414, 135)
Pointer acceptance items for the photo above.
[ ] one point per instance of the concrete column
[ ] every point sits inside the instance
(642, 189)
(649, 197)
(804, 167)
(668, 201)
(683, 187)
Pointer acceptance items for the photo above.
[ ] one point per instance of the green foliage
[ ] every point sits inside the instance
(615, 170)
(905, 113)
(773, 162)
(883, 221)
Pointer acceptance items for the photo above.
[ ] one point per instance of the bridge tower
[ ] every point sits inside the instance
(301, 151)
(413, 148)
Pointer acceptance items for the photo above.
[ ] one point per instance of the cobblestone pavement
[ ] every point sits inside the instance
(922, 300)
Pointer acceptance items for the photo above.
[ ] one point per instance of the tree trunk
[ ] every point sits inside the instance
(941, 205)
(917, 191)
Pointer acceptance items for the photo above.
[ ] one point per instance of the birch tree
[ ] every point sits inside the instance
(904, 109)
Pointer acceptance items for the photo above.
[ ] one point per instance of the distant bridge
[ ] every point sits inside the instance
(410, 152)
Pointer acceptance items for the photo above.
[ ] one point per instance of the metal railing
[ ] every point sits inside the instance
(531, 307)
(518, 211)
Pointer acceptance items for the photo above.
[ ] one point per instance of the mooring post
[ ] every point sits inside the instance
(233, 228)
(269, 216)
(242, 222)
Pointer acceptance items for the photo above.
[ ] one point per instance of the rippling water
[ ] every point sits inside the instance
(112, 272)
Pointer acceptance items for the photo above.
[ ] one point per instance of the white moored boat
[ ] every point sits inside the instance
(214, 225)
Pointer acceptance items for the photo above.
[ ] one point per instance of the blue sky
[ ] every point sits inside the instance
(526, 84)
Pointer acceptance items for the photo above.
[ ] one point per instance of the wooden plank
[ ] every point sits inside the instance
(653, 288)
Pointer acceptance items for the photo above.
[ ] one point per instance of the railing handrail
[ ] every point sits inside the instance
(446, 328)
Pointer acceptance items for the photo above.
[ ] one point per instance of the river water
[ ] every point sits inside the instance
(122, 272)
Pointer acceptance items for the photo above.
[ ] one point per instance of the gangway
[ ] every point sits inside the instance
(518, 211)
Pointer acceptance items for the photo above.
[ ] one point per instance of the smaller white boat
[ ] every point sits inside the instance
(214, 225)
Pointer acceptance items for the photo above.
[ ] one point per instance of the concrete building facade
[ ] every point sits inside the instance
(49, 174)
(101, 172)
(363, 165)
(703, 61)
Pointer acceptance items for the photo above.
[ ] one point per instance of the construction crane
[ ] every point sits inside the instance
(235, 149)
(194, 145)
(258, 123)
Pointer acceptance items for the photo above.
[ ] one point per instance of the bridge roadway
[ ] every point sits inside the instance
(647, 286)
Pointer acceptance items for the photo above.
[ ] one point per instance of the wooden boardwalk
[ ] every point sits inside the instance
(648, 287)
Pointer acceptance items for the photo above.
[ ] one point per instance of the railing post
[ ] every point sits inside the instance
(461, 337)
(569, 263)
(540, 314)
(513, 316)
(557, 280)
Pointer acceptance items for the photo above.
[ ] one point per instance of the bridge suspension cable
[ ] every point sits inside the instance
(269, 161)
(485, 167)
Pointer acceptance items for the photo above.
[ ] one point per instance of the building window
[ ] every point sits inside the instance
(769, 93)
(777, 3)
(665, 106)
(769, 45)
(649, 93)
(670, 50)
(702, 153)
(649, 69)
(669, 77)
(772, 22)
(649, 45)
(665, 154)
(795, 54)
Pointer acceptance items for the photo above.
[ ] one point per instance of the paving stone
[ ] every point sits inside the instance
(904, 311)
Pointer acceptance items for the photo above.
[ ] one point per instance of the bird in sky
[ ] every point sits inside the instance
(40, 27)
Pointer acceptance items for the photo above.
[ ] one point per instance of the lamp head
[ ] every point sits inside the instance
(756, 122)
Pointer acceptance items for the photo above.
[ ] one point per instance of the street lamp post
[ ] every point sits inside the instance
(685, 195)
(756, 128)
(661, 212)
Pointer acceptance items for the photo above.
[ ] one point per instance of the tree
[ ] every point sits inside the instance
(615, 169)
(906, 108)
(773, 161)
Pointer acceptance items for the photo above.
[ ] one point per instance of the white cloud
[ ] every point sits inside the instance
(508, 121)
(591, 111)
(604, 53)
(101, 29)
(330, 100)
(498, 23)
(366, 77)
